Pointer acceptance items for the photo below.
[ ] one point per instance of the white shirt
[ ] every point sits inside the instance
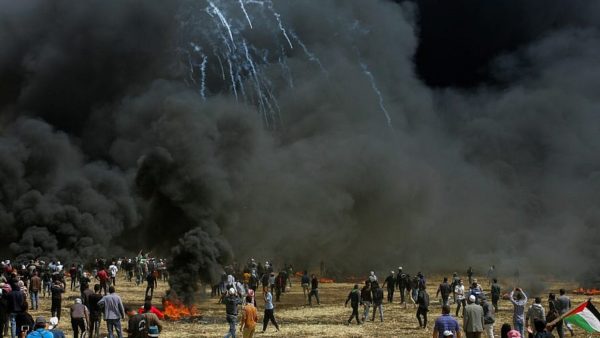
(459, 290)
(113, 270)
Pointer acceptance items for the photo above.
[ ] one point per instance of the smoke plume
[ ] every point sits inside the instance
(345, 131)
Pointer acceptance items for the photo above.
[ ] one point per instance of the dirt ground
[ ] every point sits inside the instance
(297, 319)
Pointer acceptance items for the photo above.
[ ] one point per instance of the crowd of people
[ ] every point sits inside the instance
(478, 315)
(25, 284)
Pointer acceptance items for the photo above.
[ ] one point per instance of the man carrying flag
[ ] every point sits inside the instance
(585, 316)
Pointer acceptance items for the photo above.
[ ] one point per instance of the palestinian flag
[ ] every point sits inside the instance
(585, 316)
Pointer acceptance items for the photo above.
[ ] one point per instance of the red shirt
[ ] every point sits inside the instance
(102, 275)
(154, 310)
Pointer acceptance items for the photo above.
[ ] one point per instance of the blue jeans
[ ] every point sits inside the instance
(12, 317)
(116, 324)
(34, 300)
(519, 327)
(232, 320)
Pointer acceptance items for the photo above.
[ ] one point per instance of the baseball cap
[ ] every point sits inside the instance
(448, 333)
(40, 320)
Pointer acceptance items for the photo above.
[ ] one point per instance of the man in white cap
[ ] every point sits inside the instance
(57, 333)
(231, 301)
(473, 319)
(79, 317)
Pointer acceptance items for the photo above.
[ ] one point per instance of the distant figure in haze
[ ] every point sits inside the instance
(314, 290)
(401, 283)
(455, 279)
(305, 281)
(444, 289)
(390, 281)
(414, 289)
(459, 291)
(354, 299)
(470, 275)
(366, 298)
(535, 312)
(112, 271)
(445, 323)
(491, 274)
(152, 283)
(422, 306)
(57, 289)
(377, 300)
(473, 319)
(496, 291)
(269, 311)
(519, 299)
(372, 277)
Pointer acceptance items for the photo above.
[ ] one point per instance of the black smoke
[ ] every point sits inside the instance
(108, 147)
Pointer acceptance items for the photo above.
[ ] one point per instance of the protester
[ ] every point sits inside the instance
(151, 284)
(95, 311)
(314, 290)
(231, 301)
(16, 306)
(377, 300)
(269, 311)
(354, 299)
(504, 330)
(249, 318)
(552, 310)
(444, 289)
(401, 283)
(40, 329)
(35, 285)
(366, 297)
(112, 272)
(148, 307)
(142, 325)
(113, 312)
(519, 299)
(444, 323)
(390, 282)
(488, 317)
(102, 277)
(459, 292)
(540, 329)
(563, 305)
(79, 317)
(305, 281)
(24, 322)
(495, 291)
(535, 312)
(422, 306)
(473, 321)
(470, 275)
(53, 328)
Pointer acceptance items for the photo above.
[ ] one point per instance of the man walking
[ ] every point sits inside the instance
(231, 301)
(422, 306)
(401, 283)
(366, 299)
(445, 290)
(354, 299)
(35, 285)
(496, 290)
(249, 319)
(563, 304)
(314, 290)
(113, 312)
(390, 281)
(488, 317)
(377, 300)
(473, 319)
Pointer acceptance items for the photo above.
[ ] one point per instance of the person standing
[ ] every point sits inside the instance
(79, 317)
(35, 285)
(444, 323)
(57, 289)
(231, 301)
(73, 276)
(366, 298)
(496, 291)
(249, 319)
(470, 275)
(314, 290)
(488, 316)
(401, 284)
(16, 306)
(473, 319)
(269, 311)
(422, 306)
(459, 291)
(354, 299)
(445, 290)
(112, 270)
(95, 311)
(519, 299)
(102, 276)
(563, 304)
(377, 300)
(535, 312)
(152, 283)
(390, 282)
(305, 281)
(113, 312)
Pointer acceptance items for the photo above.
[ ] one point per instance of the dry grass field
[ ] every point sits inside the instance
(297, 319)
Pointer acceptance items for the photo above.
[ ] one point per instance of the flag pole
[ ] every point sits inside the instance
(561, 317)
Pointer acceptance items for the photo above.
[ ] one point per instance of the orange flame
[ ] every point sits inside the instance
(175, 310)
(587, 292)
(326, 280)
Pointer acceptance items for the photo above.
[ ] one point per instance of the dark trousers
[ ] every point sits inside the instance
(495, 300)
(458, 304)
(56, 307)
(103, 287)
(473, 334)
(94, 325)
(113, 280)
(269, 315)
(313, 292)
(151, 289)
(390, 295)
(354, 314)
(401, 295)
(77, 324)
(422, 313)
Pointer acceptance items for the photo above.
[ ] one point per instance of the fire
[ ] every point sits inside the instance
(326, 280)
(587, 292)
(175, 310)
